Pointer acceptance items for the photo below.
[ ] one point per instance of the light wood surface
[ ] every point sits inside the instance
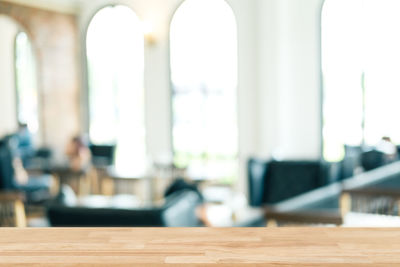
(199, 247)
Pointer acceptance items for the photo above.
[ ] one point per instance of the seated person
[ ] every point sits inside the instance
(25, 147)
(13, 176)
(78, 154)
(386, 146)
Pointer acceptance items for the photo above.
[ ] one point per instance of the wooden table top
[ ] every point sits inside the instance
(199, 247)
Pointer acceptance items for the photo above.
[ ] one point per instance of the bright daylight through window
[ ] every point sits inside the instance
(361, 66)
(115, 58)
(203, 43)
(25, 81)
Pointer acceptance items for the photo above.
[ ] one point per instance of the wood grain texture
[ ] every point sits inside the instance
(199, 247)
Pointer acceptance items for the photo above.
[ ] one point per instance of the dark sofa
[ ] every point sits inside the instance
(179, 210)
(274, 181)
(322, 205)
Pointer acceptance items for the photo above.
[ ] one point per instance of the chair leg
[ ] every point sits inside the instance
(55, 185)
(272, 223)
(20, 218)
(345, 204)
(107, 186)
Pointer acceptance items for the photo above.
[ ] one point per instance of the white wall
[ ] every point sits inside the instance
(8, 109)
(279, 98)
(289, 78)
(248, 111)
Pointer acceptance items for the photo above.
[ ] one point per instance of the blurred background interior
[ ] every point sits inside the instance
(199, 113)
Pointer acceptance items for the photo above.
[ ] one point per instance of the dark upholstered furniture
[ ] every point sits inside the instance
(350, 161)
(372, 159)
(256, 173)
(368, 158)
(102, 155)
(322, 205)
(7, 181)
(286, 179)
(274, 181)
(179, 210)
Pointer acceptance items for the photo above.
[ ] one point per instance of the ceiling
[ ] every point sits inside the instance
(65, 6)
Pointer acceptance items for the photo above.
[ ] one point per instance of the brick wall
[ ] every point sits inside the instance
(54, 37)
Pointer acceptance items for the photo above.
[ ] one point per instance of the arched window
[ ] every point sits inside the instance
(18, 79)
(115, 59)
(361, 65)
(203, 51)
(26, 83)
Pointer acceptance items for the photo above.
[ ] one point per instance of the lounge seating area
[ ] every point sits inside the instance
(281, 193)
(138, 114)
(369, 199)
(178, 210)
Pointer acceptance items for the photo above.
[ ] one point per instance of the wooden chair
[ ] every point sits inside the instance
(371, 200)
(12, 212)
(302, 218)
(77, 180)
